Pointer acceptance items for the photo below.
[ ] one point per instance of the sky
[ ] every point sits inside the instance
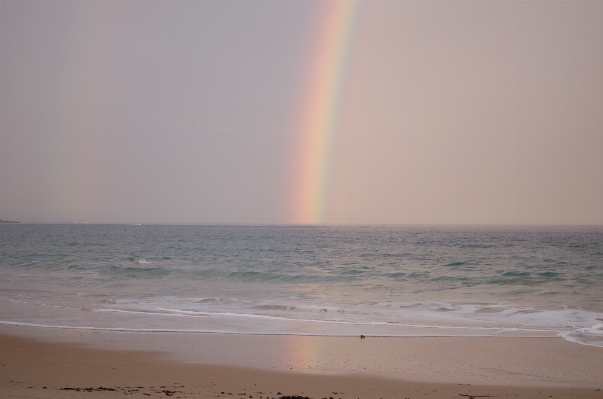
(302, 112)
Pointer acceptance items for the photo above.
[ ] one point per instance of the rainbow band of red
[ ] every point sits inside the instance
(320, 114)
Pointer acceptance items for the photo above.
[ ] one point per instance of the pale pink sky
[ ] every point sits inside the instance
(478, 112)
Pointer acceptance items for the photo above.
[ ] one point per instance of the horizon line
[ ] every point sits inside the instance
(235, 224)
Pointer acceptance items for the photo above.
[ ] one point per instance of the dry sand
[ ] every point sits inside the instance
(260, 367)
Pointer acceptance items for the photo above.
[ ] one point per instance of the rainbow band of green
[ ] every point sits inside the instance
(320, 112)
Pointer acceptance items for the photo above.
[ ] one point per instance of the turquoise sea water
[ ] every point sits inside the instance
(392, 281)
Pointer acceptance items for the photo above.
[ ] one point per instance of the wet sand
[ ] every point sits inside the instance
(91, 364)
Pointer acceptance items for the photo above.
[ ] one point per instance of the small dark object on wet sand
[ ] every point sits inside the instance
(475, 396)
(362, 337)
(294, 397)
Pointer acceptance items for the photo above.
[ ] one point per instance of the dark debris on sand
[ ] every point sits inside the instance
(87, 389)
(125, 390)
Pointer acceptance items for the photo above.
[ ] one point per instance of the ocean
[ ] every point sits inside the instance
(343, 281)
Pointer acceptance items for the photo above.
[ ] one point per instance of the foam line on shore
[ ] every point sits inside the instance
(150, 330)
(170, 312)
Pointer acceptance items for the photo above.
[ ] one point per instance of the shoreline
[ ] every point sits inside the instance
(172, 321)
(294, 365)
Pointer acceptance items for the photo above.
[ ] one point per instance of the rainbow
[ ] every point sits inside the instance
(320, 111)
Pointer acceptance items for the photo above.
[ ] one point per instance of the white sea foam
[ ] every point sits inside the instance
(157, 319)
(592, 336)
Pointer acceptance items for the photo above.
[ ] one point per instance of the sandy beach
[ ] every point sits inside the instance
(41, 363)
